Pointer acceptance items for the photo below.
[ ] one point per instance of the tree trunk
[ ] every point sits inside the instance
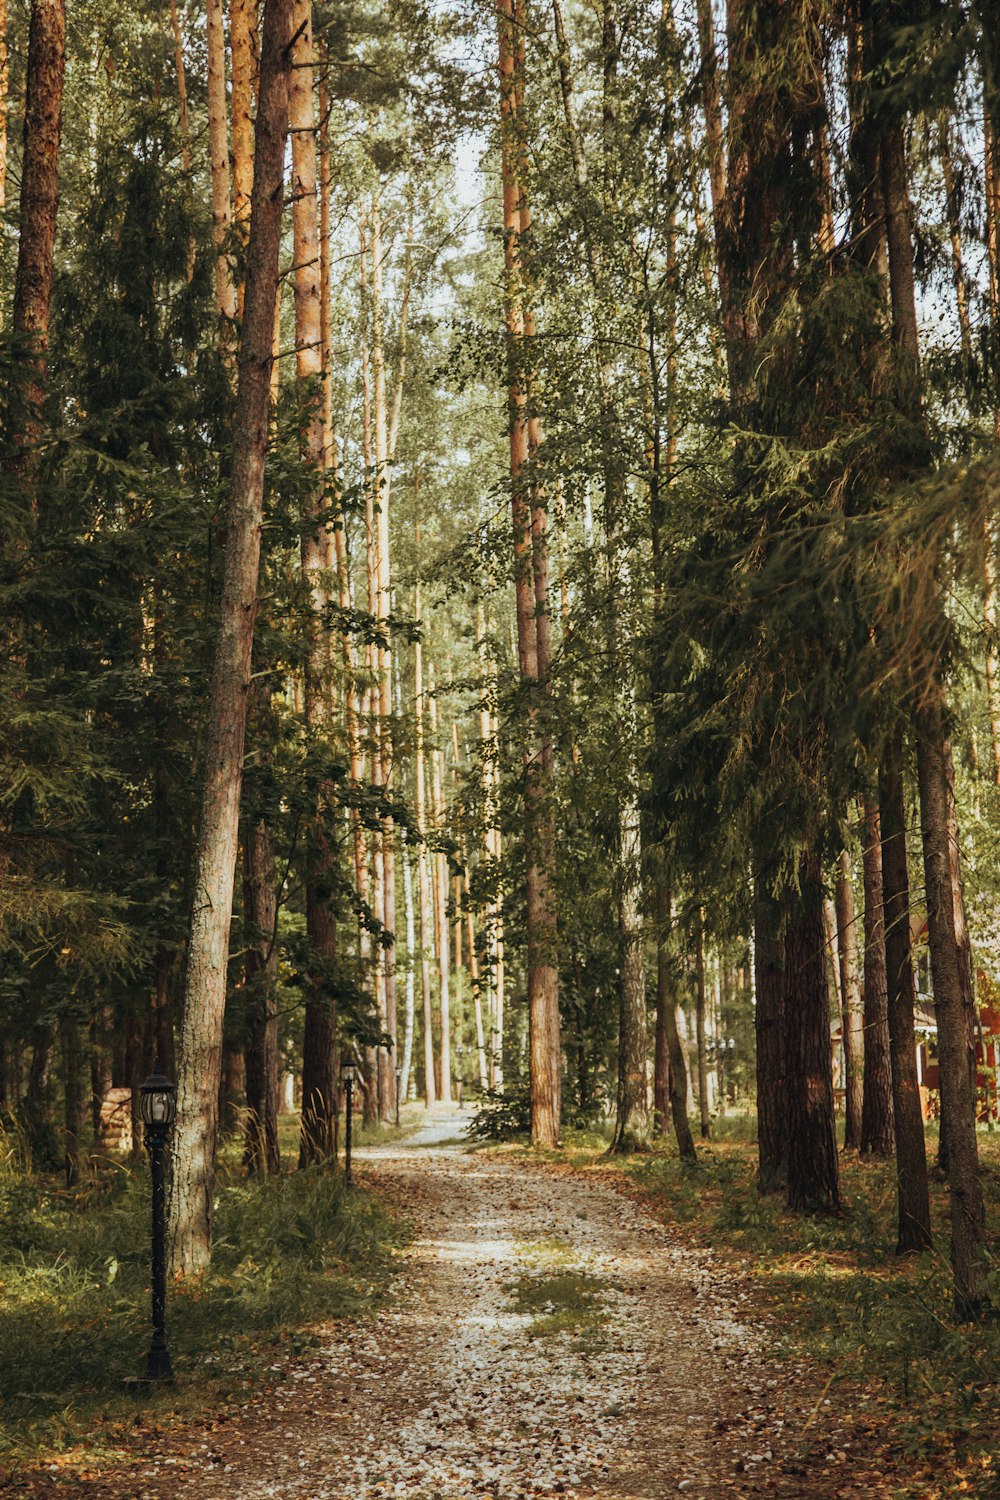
(260, 916)
(4, 103)
(440, 878)
(704, 1104)
(769, 1025)
(38, 210)
(850, 999)
(949, 958)
(911, 1152)
(383, 475)
(430, 1088)
(409, 1021)
(543, 976)
(813, 1181)
(669, 1050)
(190, 1209)
(632, 1113)
(218, 150)
(877, 1133)
(319, 1060)
(242, 25)
(73, 1096)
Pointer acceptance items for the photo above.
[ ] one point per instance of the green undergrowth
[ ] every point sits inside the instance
(879, 1328)
(557, 1294)
(289, 1254)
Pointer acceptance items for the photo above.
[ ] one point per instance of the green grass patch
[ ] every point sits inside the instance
(289, 1255)
(560, 1301)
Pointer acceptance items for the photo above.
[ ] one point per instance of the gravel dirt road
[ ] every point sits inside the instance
(456, 1392)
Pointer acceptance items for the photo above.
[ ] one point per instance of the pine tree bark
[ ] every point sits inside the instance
(193, 1156)
(952, 985)
(260, 915)
(218, 150)
(945, 910)
(38, 212)
(319, 1061)
(430, 1086)
(813, 1175)
(850, 1000)
(72, 1097)
(543, 976)
(877, 1133)
(769, 1026)
(704, 1103)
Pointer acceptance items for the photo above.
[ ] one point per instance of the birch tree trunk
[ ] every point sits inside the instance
(850, 1000)
(193, 1155)
(383, 599)
(440, 878)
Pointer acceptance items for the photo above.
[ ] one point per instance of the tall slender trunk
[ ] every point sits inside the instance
(813, 1178)
(938, 821)
(914, 1232)
(877, 1133)
(704, 1103)
(73, 1113)
(38, 212)
(991, 121)
(430, 1089)
(383, 600)
(4, 102)
(319, 1061)
(769, 1026)
(440, 877)
(242, 25)
(850, 1000)
(375, 967)
(208, 946)
(260, 916)
(493, 850)
(218, 150)
(666, 1012)
(543, 975)
(952, 983)
(404, 1061)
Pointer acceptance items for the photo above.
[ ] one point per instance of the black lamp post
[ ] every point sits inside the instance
(460, 1049)
(347, 1073)
(158, 1106)
(399, 1078)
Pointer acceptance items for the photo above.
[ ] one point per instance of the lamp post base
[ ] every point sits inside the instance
(158, 1366)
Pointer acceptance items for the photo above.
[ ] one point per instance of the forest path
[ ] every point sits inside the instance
(452, 1393)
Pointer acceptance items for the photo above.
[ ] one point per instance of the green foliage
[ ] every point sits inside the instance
(74, 1268)
(503, 1115)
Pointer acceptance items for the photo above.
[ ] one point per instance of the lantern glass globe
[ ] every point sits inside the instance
(158, 1101)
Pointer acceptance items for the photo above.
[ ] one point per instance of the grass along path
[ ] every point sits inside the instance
(548, 1338)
